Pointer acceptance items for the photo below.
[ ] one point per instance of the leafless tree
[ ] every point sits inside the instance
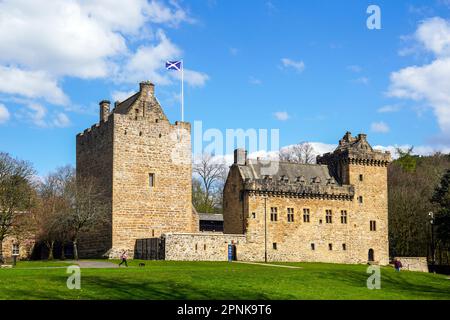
(211, 175)
(53, 205)
(87, 209)
(299, 153)
(16, 194)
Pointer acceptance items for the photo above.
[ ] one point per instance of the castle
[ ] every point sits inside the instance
(332, 211)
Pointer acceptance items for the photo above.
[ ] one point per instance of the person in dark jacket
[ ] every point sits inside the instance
(397, 265)
(124, 257)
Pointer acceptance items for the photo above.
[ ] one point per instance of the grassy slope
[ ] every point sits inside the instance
(219, 280)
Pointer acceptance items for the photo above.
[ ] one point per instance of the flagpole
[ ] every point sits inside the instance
(182, 90)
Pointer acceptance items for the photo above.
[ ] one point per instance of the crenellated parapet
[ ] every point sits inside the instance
(296, 189)
(355, 150)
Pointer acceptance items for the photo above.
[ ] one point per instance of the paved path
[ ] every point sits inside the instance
(268, 265)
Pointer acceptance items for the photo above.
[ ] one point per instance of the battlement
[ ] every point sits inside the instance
(356, 150)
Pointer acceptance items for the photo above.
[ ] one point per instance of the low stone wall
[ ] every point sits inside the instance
(200, 246)
(414, 263)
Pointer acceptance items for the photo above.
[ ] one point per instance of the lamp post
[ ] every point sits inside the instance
(265, 228)
(431, 215)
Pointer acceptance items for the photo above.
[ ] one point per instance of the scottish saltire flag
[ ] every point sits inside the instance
(174, 65)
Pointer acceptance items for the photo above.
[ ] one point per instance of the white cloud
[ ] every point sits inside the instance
(299, 66)
(4, 114)
(389, 108)
(44, 41)
(61, 120)
(379, 127)
(31, 84)
(36, 113)
(281, 115)
(148, 63)
(122, 95)
(434, 35)
(362, 80)
(429, 83)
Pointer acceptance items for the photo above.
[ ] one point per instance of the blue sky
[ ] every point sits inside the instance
(309, 68)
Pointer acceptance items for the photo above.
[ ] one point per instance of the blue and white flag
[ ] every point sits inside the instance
(174, 65)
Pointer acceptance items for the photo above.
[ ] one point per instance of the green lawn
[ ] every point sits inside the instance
(218, 280)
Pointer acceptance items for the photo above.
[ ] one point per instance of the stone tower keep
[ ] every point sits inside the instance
(356, 163)
(142, 164)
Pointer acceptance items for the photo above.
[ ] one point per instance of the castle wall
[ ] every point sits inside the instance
(233, 215)
(374, 207)
(94, 159)
(144, 146)
(201, 246)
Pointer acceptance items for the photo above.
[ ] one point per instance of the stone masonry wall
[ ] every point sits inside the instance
(292, 241)
(419, 264)
(94, 158)
(201, 246)
(146, 143)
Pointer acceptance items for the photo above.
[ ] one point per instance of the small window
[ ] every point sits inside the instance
(320, 221)
(313, 246)
(204, 247)
(330, 246)
(290, 214)
(254, 215)
(306, 215)
(274, 246)
(15, 249)
(196, 247)
(329, 216)
(273, 214)
(361, 178)
(373, 225)
(151, 180)
(153, 232)
(344, 216)
(360, 199)
(344, 246)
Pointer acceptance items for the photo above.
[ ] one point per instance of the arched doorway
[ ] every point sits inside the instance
(371, 257)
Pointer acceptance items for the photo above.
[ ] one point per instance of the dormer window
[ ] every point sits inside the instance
(284, 178)
(301, 179)
(316, 180)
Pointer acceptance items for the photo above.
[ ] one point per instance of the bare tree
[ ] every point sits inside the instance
(16, 194)
(53, 205)
(87, 209)
(299, 153)
(211, 175)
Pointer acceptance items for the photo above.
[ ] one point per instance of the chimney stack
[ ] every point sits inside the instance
(104, 110)
(240, 157)
(147, 89)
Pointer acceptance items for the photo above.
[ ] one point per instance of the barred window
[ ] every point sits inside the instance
(306, 215)
(15, 249)
(273, 214)
(290, 214)
(344, 216)
(373, 225)
(329, 216)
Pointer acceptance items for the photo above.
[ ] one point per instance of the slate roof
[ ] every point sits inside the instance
(287, 172)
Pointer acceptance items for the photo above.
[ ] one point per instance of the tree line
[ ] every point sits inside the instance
(57, 208)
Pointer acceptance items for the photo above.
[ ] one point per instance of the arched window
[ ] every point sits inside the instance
(371, 255)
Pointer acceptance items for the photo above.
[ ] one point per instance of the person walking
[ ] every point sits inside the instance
(397, 265)
(124, 257)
